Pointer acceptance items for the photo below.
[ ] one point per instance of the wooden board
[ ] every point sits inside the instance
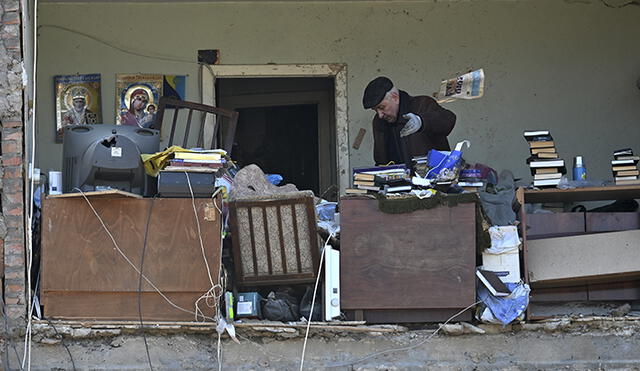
(79, 257)
(584, 259)
(610, 222)
(582, 194)
(554, 225)
(112, 193)
(420, 260)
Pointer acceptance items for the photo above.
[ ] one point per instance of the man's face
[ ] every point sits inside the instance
(388, 108)
(78, 104)
(139, 102)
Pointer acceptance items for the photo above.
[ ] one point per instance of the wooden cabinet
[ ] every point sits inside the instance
(85, 277)
(410, 267)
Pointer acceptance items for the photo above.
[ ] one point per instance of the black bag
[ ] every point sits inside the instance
(305, 305)
(280, 306)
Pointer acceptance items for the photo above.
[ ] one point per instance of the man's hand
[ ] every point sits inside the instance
(414, 124)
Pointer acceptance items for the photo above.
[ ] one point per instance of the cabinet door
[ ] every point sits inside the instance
(423, 259)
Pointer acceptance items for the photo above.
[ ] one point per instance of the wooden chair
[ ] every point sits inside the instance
(221, 117)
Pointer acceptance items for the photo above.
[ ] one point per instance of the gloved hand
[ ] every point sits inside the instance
(414, 124)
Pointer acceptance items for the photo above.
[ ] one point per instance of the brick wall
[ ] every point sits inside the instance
(11, 167)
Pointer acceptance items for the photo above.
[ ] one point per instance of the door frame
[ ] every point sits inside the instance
(338, 72)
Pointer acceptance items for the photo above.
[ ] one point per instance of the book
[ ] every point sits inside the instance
(634, 158)
(623, 162)
(546, 182)
(547, 170)
(534, 133)
(197, 156)
(363, 183)
(618, 178)
(546, 163)
(213, 165)
(355, 191)
(470, 184)
(379, 169)
(364, 176)
(404, 188)
(628, 182)
(628, 173)
(369, 188)
(547, 176)
(190, 169)
(623, 152)
(547, 155)
(493, 283)
(542, 144)
(535, 151)
(624, 168)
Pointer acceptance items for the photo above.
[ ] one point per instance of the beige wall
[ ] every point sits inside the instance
(570, 66)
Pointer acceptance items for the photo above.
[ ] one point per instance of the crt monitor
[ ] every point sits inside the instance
(101, 156)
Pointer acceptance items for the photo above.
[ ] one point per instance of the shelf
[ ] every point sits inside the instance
(582, 194)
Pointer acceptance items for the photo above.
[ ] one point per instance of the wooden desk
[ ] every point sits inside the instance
(576, 224)
(84, 276)
(412, 267)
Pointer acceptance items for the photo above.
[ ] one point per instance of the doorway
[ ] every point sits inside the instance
(286, 126)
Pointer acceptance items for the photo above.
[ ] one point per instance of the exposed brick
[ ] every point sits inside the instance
(11, 18)
(13, 288)
(14, 281)
(12, 301)
(15, 311)
(14, 260)
(12, 134)
(16, 274)
(13, 247)
(12, 43)
(14, 237)
(11, 5)
(13, 222)
(12, 123)
(11, 146)
(11, 160)
(12, 172)
(12, 192)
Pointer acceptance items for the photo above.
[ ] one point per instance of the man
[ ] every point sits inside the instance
(136, 115)
(405, 126)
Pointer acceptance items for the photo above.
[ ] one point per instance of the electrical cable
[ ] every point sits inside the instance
(313, 301)
(8, 339)
(29, 242)
(393, 350)
(632, 2)
(144, 249)
(124, 256)
(63, 344)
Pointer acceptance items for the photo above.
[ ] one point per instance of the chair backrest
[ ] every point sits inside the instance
(221, 117)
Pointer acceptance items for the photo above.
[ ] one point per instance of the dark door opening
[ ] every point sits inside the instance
(281, 140)
(286, 126)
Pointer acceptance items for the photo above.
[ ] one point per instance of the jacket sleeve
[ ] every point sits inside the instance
(436, 120)
(380, 155)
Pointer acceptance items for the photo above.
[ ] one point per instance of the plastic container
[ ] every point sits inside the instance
(579, 171)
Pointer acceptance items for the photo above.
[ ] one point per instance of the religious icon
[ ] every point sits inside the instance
(137, 98)
(77, 101)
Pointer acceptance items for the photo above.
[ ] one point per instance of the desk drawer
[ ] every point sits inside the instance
(611, 222)
(555, 225)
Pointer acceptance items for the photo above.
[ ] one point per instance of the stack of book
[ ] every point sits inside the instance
(389, 179)
(546, 166)
(200, 161)
(625, 167)
(470, 180)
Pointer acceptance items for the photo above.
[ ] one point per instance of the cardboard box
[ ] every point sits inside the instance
(505, 265)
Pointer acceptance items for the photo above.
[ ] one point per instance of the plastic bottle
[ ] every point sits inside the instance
(579, 171)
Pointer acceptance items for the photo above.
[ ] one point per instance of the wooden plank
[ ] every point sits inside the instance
(628, 291)
(610, 222)
(584, 259)
(122, 305)
(423, 259)
(79, 257)
(554, 225)
(111, 193)
(559, 294)
(582, 194)
(413, 315)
